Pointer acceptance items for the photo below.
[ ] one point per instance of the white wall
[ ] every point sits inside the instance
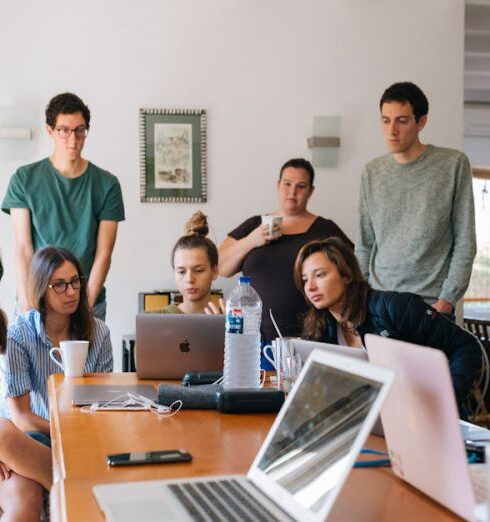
(261, 68)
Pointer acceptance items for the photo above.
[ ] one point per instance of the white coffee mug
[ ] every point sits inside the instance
(73, 357)
(274, 224)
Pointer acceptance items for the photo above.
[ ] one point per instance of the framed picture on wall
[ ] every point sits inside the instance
(173, 155)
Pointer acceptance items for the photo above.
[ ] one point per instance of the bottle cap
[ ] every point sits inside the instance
(244, 280)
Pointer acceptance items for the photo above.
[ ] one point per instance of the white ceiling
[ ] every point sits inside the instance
(477, 51)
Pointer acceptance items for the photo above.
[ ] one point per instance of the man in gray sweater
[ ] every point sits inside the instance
(416, 229)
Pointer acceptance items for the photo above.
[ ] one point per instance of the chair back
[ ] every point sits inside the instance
(481, 328)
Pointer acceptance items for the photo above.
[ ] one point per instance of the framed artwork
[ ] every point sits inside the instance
(173, 155)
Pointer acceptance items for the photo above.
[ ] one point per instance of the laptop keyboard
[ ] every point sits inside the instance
(221, 500)
(479, 481)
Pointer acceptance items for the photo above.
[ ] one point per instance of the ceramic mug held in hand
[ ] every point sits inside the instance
(73, 357)
(274, 224)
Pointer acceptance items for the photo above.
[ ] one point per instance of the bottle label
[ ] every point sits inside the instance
(234, 321)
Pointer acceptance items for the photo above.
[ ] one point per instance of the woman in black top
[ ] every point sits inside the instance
(250, 249)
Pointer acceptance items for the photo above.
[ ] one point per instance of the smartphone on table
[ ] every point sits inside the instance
(148, 457)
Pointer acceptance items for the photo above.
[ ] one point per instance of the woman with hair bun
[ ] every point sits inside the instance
(195, 265)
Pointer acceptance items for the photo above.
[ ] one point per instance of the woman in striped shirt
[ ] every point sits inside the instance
(59, 312)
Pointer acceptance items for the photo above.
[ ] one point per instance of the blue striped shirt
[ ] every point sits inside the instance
(26, 366)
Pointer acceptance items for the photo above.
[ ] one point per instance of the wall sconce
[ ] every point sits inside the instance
(325, 142)
(16, 135)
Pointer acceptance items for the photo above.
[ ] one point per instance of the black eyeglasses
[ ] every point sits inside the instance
(65, 132)
(61, 286)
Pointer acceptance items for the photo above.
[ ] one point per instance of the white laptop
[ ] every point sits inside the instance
(304, 348)
(422, 428)
(170, 345)
(300, 468)
(86, 394)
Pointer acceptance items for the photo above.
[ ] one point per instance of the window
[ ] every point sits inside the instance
(477, 298)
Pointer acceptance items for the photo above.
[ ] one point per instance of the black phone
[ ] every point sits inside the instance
(148, 457)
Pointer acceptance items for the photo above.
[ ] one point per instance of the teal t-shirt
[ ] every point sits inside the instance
(66, 212)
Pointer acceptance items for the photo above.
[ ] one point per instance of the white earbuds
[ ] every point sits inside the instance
(131, 401)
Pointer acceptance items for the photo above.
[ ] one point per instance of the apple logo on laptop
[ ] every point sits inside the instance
(185, 346)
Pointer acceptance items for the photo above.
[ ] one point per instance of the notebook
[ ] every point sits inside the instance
(422, 428)
(170, 345)
(300, 467)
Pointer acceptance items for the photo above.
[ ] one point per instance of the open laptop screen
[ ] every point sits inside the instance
(308, 452)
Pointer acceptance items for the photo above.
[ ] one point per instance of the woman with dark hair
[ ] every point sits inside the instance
(267, 256)
(59, 312)
(342, 308)
(195, 265)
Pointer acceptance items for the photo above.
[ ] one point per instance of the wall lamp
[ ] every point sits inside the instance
(12, 133)
(325, 142)
(16, 134)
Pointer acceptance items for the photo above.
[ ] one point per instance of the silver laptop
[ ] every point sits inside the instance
(84, 395)
(300, 468)
(304, 348)
(170, 345)
(422, 428)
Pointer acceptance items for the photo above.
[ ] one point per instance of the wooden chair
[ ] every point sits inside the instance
(480, 328)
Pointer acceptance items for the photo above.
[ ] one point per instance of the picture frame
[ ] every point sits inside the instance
(173, 155)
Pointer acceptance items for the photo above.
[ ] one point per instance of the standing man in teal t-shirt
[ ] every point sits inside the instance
(66, 201)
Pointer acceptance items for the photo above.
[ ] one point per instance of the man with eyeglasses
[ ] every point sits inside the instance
(416, 228)
(66, 201)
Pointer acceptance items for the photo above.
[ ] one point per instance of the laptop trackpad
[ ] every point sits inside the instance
(127, 511)
(148, 501)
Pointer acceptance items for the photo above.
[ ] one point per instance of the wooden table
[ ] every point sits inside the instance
(219, 443)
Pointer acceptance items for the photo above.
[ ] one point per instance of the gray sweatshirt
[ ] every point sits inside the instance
(416, 229)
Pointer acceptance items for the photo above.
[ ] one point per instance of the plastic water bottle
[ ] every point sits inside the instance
(242, 337)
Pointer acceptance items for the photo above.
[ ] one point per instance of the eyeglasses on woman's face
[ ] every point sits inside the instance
(61, 287)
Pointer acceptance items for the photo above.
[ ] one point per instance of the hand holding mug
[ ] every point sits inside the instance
(274, 225)
(260, 236)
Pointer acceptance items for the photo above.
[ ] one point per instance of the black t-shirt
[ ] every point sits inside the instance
(271, 268)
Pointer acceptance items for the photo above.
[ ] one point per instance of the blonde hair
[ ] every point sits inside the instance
(195, 231)
(197, 224)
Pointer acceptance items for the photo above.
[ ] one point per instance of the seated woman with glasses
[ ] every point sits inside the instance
(195, 265)
(342, 308)
(59, 312)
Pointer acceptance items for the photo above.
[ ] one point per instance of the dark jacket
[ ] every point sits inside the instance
(407, 317)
